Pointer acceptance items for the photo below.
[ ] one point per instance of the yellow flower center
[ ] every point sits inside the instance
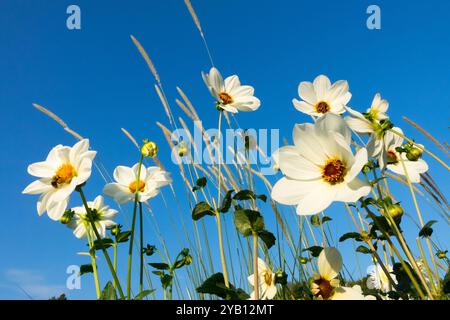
(322, 107)
(333, 171)
(132, 186)
(225, 97)
(64, 175)
(267, 278)
(323, 288)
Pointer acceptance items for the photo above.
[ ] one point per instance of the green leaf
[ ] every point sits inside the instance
(166, 280)
(226, 203)
(200, 184)
(326, 219)
(249, 195)
(248, 221)
(109, 292)
(215, 285)
(427, 231)
(363, 249)
(262, 197)
(86, 268)
(244, 195)
(143, 294)
(351, 235)
(160, 266)
(123, 236)
(268, 238)
(202, 209)
(106, 243)
(314, 250)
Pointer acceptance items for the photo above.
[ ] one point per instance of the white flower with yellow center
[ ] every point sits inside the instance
(231, 96)
(377, 278)
(394, 159)
(326, 286)
(369, 123)
(329, 265)
(321, 97)
(100, 214)
(320, 167)
(124, 189)
(64, 169)
(266, 278)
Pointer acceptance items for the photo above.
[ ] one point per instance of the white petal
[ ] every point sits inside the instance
(79, 148)
(124, 175)
(317, 199)
(56, 209)
(306, 141)
(291, 192)
(360, 160)
(38, 186)
(353, 191)
(329, 263)
(321, 86)
(295, 166)
(304, 107)
(42, 169)
(307, 93)
(84, 170)
(231, 83)
(118, 192)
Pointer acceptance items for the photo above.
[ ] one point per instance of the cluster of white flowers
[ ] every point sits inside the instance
(321, 167)
(67, 168)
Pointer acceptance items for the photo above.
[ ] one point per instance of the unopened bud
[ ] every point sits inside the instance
(149, 149)
(414, 154)
(395, 211)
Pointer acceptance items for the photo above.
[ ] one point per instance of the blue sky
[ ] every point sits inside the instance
(96, 81)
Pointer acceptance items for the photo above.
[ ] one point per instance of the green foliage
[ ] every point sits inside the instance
(249, 195)
(248, 221)
(199, 184)
(86, 268)
(363, 250)
(426, 230)
(314, 250)
(226, 202)
(351, 235)
(215, 285)
(317, 221)
(109, 292)
(268, 238)
(202, 209)
(143, 294)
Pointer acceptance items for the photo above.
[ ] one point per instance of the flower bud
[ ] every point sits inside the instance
(414, 154)
(116, 230)
(149, 149)
(182, 151)
(395, 211)
(67, 217)
(442, 254)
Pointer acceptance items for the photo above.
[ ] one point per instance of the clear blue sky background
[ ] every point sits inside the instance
(96, 81)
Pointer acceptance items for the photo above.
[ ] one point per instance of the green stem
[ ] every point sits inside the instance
(219, 224)
(133, 223)
(141, 234)
(105, 253)
(94, 263)
(255, 266)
